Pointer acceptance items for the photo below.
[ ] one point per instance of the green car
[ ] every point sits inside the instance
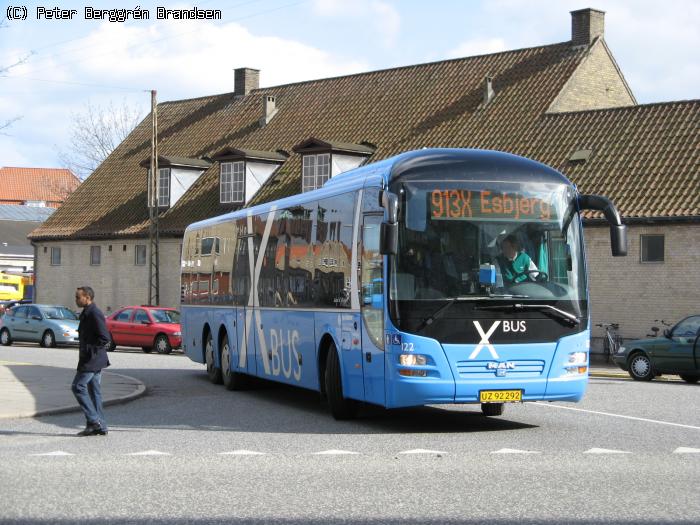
(677, 352)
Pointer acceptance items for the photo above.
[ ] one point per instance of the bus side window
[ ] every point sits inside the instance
(372, 276)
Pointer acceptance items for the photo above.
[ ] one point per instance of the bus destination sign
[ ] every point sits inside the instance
(451, 204)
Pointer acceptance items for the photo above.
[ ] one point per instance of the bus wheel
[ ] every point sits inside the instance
(232, 380)
(5, 337)
(213, 372)
(48, 340)
(492, 409)
(162, 345)
(341, 408)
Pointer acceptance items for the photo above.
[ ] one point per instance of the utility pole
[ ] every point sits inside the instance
(153, 187)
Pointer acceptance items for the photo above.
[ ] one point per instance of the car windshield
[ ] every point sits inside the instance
(58, 312)
(166, 316)
(471, 239)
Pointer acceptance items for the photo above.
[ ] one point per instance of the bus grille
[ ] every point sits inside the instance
(479, 369)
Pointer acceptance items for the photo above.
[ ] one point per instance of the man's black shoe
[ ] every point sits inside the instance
(93, 430)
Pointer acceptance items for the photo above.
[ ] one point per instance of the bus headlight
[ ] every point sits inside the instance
(412, 360)
(578, 358)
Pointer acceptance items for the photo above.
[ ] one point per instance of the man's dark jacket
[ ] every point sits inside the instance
(94, 340)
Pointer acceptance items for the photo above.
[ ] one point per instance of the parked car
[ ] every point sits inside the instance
(49, 325)
(6, 305)
(146, 326)
(676, 352)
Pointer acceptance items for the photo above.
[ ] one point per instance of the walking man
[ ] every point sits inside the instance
(94, 341)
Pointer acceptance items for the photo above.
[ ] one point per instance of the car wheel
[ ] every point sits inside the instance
(640, 367)
(147, 349)
(162, 345)
(48, 340)
(689, 378)
(492, 409)
(341, 407)
(5, 337)
(213, 372)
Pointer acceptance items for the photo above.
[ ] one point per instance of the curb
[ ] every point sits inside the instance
(139, 392)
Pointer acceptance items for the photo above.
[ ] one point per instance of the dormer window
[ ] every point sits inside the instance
(242, 172)
(175, 176)
(232, 187)
(316, 170)
(163, 187)
(322, 159)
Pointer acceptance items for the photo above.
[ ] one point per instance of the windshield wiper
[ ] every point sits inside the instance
(520, 306)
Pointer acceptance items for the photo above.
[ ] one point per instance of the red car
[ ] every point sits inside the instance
(146, 326)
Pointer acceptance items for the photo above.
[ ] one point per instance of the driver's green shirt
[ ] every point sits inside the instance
(515, 271)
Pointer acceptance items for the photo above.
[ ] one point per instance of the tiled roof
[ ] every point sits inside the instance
(36, 184)
(435, 104)
(646, 158)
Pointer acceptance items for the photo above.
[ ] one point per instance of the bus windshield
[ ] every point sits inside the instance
(471, 240)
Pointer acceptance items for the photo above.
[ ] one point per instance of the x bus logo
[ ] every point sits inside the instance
(485, 340)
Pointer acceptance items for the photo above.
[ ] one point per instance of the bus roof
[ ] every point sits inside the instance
(487, 165)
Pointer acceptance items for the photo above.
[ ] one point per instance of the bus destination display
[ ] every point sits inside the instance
(451, 204)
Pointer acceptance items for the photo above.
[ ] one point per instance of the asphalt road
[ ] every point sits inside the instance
(192, 452)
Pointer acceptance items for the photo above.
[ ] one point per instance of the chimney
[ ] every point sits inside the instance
(586, 26)
(245, 80)
(269, 109)
(489, 93)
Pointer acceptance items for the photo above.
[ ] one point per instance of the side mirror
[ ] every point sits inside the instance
(389, 231)
(146, 322)
(618, 231)
(36, 317)
(667, 333)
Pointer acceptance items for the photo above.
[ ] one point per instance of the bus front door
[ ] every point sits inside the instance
(372, 306)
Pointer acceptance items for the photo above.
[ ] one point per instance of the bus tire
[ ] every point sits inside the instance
(232, 380)
(5, 337)
(341, 407)
(213, 372)
(48, 340)
(492, 409)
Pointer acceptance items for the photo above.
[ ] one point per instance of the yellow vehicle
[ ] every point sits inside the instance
(15, 286)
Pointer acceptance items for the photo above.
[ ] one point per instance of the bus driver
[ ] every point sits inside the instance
(516, 265)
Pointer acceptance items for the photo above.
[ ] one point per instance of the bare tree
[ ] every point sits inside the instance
(95, 133)
(4, 69)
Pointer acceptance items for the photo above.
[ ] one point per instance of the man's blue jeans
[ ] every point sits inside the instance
(87, 390)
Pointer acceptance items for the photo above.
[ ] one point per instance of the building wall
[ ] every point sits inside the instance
(627, 291)
(596, 84)
(117, 281)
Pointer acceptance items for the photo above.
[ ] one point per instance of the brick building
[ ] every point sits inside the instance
(566, 104)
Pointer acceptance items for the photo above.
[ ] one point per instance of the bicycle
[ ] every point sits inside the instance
(655, 329)
(612, 340)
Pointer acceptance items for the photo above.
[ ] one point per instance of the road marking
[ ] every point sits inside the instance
(606, 451)
(14, 363)
(515, 451)
(150, 453)
(334, 452)
(242, 453)
(56, 453)
(618, 415)
(422, 451)
(686, 450)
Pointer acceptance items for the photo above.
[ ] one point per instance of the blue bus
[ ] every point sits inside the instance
(435, 276)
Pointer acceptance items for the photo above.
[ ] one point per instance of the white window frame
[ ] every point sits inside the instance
(55, 256)
(232, 182)
(163, 187)
(316, 171)
(95, 261)
(137, 248)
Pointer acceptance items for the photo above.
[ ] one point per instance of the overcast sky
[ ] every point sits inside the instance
(71, 62)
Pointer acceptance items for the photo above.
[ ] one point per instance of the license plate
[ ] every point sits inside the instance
(500, 396)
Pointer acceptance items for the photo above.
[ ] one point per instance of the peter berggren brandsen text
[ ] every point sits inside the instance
(122, 15)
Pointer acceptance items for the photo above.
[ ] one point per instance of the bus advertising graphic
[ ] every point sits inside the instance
(436, 276)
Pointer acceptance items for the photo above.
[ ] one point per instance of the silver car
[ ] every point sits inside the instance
(48, 325)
